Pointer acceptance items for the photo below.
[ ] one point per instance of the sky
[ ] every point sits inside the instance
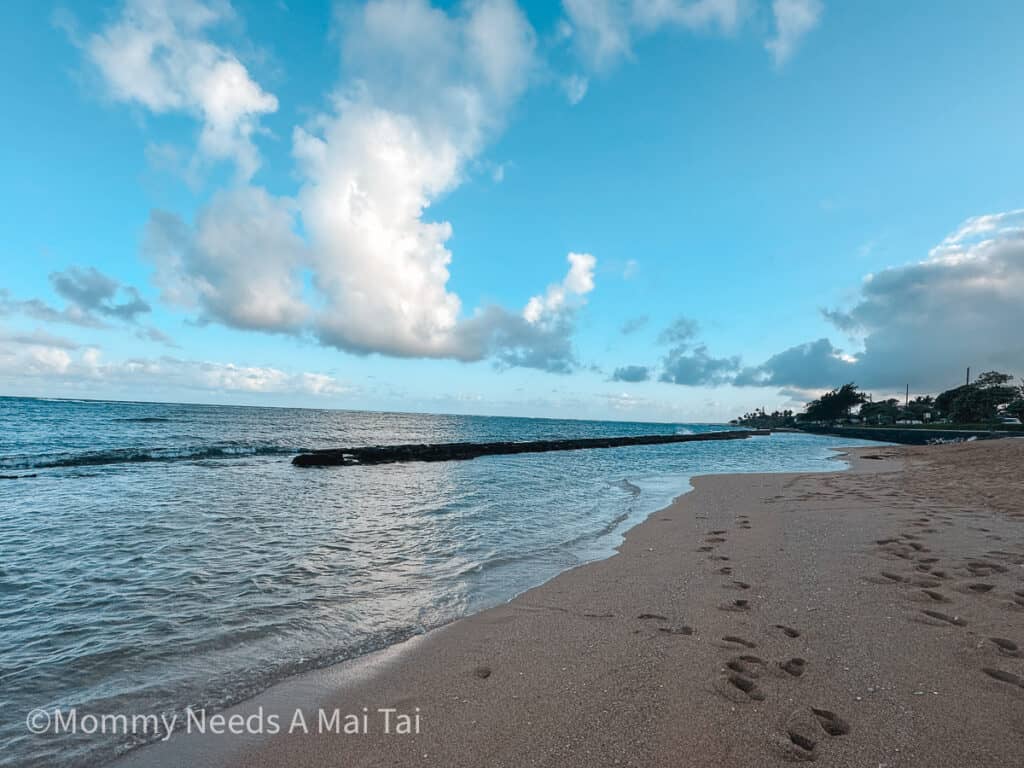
(669, 210)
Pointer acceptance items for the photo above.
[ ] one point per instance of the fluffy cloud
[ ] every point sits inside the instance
(632, 373)
(538, 337)
(240, 264)
(91, 298)
(64, 363)
(696, 367)
(603, 30)
(682, 331)
(922, 324)
(812, 366)
(94, 292)
(157, 54)
(793, 20)
(425, 92)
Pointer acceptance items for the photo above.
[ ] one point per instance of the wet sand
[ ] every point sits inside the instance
(866, 618)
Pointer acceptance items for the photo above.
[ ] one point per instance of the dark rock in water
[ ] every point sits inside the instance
(16, 477)
(388, 454)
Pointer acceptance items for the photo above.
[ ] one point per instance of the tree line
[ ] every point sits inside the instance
(988, 398)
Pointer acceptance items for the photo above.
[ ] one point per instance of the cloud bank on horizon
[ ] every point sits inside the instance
(352, 258)
(910, 325)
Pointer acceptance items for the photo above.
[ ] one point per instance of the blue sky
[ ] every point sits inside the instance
(612, 209)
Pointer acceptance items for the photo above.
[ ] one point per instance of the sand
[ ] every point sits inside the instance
(873, 617)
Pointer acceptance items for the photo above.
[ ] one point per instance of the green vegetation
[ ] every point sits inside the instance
(760, 419)
(985, 403)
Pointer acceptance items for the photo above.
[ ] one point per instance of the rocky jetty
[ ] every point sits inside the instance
(388, 454)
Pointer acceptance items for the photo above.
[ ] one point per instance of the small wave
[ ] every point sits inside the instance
(684, 431)
(145, 419)
(140, 455)
(625, 485)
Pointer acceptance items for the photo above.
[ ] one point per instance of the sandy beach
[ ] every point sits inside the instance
(873, 617)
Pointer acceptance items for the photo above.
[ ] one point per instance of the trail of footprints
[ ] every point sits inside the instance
(928, 578)
(747, 678)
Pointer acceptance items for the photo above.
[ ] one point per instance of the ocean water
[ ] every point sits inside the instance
(165, 556)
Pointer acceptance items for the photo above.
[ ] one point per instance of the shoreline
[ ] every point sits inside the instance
(546, 674)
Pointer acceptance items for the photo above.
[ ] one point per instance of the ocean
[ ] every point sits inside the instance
(158, 556)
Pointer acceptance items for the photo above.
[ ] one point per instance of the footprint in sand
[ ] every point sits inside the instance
(739, 641)
(955, 620)
(682, 629)
(714, 540)
(1006, 647)
(794, 666)
(831, 723)
(938, 597)
(725, 570)
(802, 733)
(740, 585)
(746, 665)
(735, 605)
(1004, 677)
(655, 616)
(984, 568)
(979, 587)
(705, 549)
(738, 688)
(788, 631)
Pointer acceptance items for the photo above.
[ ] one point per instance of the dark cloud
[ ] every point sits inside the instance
(634, 324)
(94, 293)
(814, 365)
(90, 297)
(698, 368)
(513, 341)
(39, 338)
(923, 324)
(155, 334)
(682, 331)
(632, 373)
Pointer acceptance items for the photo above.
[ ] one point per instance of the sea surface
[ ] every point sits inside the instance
(158, 556)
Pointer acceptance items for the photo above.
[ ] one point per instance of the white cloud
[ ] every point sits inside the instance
(603, 30)
(425, 92)
(575, 87)
(794, 19)
(28, 357)
(600, 30)
(240, 264)
(579, 281)
(726, 15)
(157, 54)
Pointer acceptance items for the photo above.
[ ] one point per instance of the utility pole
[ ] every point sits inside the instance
(907, 404)
(968, 375)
